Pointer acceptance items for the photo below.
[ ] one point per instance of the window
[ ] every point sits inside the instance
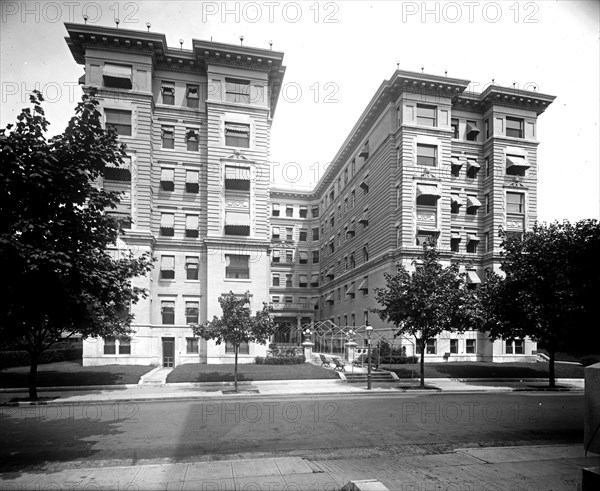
(488, 203)
(425, 236)
(275, 233)
(191, 139)
(167, 90)
(191, 268)
(454, 124)
(487, 128)
(119, 174)
(472, 168)
(455, 203)
(303, 281)
(470, 346)
(167, 179)
(289, 210)
(276, 256)
(472, 243)
(303, 211)
(237, 90)
(191, 181)
(167, 267)
(191, 345)
(426, 115)
(118, 120)
(167, 221)
(237, 178)
(352, 262)
(289, 233)
(117, 76)
(516, 165)
(487, 242)
(243, 349)
(364, 285)
(191, 226)
(167, 310)
(289, 279)
(237, 135)
(275, 210)
(488, 168)
(124, 345)
(454, 346)
(289, 256)
(426, 154)
(514, 347)
(191, 312)
(472, 131)
(315, 211)
(303, 257)
(275, 299)
(192, 96)
(514, 127)
(315, 234)
(365, 253)
(430, 347)
(315, 257)
(110, 347)
(275, 279)
(473, 205)
(332, 220)
(455, 241)
(237, 266)
(515, 203)
(168, 137)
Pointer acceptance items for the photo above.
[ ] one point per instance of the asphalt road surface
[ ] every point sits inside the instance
(310, 426)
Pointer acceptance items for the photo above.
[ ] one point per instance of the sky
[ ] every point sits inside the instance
(337, 54)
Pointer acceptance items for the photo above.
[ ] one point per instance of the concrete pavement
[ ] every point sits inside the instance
(142, 392)
(523, 468)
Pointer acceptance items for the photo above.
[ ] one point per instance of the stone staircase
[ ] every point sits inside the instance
(375, 377)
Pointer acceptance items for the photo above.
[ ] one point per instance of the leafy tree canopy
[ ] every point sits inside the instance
(54, 233)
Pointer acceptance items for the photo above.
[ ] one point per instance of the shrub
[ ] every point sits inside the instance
(20, 358)
(280, 360)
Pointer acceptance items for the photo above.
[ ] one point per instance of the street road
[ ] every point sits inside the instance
(312, 426)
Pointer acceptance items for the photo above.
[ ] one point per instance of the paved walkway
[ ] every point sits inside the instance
(555, 467)
(141, 392)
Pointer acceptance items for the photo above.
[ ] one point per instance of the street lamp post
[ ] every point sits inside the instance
(369, 328)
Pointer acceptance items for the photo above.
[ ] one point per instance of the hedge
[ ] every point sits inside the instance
(21, 358)
(280, 360)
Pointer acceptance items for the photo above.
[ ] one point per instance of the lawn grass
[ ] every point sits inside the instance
(247, 372)
(486, 370)
(70, 373)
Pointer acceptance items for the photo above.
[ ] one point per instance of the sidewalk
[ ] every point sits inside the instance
(555, 467)
(124, 393)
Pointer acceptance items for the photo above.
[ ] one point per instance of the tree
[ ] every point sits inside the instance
(237, 325)
(550, 288)
(54, 232)
(431, 300)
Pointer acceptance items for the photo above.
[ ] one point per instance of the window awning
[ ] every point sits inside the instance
(365, 151)
(236, 218)
(167, 130)
(456, 161)
(304, 255)
(314, 300)
(473, 202)
(191, 177)
(303, 278)
(242, 129)
(276, 253)
(167, 174)
(192, 92)
(191, 222)
(350, 228)
(302, 207)
(314, 278)
(329, 298)
(455, 236)
(237, 173)
(167, 220)
(472, 277)
(275, 230)
(350, 290)
(428, 190)
(117, 71)
(516, 161)
(167, 89)
(471, 128)
(472, 238)
(363, 285)
(191, 261)
(456, 199)
(365, 217)
(192, 134)
(275, 206)
(167, 262)
(472, 164)
(427, 229)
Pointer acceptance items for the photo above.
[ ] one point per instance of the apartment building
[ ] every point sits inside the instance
(427, 159)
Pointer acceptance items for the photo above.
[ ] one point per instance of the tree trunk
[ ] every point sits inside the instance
(33, 377)
(422, 345)
(235, 368)
(551, 379)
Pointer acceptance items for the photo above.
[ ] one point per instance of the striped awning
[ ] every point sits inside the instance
(456, 199)
(473, 277)
(117, 71)
(168, 89)
(516, 161)
(236, 218)
(237, 173)
(473, 202)
(428, 190)
(242, 129)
